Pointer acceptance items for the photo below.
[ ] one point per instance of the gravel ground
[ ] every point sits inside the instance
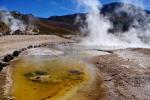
(126, 74)
(2, 83)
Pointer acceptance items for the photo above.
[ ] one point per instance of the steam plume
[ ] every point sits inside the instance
(98, 25)
(13, 23)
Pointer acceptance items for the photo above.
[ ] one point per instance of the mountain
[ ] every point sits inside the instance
(120, 17)
(4, 29)
(48, 25)
(123, 16)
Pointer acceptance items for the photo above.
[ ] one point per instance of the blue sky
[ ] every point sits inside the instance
(46, 8)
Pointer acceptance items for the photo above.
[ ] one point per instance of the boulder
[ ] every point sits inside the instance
(11, 56)
(7, 58)
(75, 72)
(2, 64)
(16, 53)
(23, 49)
(30, 46)
(35, 46)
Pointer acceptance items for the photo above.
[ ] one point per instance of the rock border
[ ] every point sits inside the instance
(5, 61)
(9, 57)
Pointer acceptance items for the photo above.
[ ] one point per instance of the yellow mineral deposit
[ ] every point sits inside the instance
(49, 79)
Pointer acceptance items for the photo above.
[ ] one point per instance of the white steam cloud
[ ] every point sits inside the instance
(98, 25)
(13, 23)
(139, 35)
(138, 3)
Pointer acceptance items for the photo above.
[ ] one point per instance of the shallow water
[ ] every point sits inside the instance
(44, 78)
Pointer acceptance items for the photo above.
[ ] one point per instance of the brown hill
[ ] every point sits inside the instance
(4, 29)
(46, 26)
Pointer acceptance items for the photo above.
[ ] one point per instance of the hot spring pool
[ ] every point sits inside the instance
(44, 78)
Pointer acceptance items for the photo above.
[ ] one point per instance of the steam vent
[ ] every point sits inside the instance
(74, 50)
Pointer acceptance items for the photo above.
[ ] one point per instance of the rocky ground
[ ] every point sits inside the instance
(2, 83)
(124, 73)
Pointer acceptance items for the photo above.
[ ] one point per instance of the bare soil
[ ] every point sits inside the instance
(2, 83)
(126, 74)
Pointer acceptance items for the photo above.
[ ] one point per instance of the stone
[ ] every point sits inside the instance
(7, 58)
(16, 53)
(2, 64)
(11, 56)
(10, 98)
(75, 72)
(23, 49)
(35, 46)
(30, 46)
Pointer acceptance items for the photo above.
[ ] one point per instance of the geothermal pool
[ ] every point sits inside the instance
(44, 78)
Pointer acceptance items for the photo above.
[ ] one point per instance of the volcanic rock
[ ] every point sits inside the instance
(7, 58)
(16, 53)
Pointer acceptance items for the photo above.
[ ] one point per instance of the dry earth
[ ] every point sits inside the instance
(126, 74)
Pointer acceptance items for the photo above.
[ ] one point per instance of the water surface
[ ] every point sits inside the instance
(44, 78)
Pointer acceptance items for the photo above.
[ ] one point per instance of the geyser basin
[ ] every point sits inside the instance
(44, 78)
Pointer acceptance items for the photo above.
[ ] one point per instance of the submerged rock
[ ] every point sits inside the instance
(36, 73)
(75, 72)
(41, 78)
(10, 98)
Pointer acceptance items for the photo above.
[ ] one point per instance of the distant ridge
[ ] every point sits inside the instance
(63, 25)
